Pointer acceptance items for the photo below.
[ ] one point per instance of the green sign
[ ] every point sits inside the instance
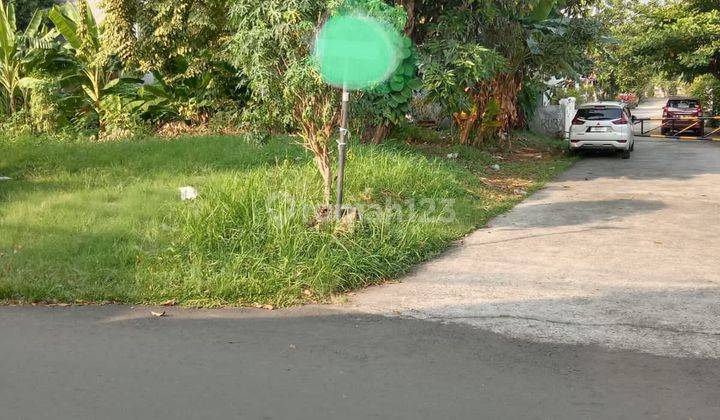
(357, 52)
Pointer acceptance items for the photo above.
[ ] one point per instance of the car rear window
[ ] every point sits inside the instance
(599, 113)
(683, 103)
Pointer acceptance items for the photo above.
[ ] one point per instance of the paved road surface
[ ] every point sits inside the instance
(315, 363)
(619, 253)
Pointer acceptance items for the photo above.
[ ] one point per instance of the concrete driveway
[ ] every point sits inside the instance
(620, 253)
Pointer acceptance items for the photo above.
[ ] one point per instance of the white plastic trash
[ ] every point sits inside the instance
(188, 193)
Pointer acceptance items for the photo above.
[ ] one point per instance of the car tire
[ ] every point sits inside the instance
(625, 154)
(632, 147)
(664, 131)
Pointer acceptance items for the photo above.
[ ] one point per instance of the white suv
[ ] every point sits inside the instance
(603, 125)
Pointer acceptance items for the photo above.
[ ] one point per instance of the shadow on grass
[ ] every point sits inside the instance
(138, 159)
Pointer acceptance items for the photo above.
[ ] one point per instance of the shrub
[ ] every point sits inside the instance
(45, 113)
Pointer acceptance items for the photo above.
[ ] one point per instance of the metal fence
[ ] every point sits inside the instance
(678, 128)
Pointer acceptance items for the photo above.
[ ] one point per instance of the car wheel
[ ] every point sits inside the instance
(625, 154)
(664, 131)
(632, 147)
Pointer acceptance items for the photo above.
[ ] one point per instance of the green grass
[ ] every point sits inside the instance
(103, 221)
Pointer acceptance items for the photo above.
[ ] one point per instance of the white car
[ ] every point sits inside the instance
(603, 125)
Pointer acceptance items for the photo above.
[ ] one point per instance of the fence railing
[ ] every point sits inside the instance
(679, 127)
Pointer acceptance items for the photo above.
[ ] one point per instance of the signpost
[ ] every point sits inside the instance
(354, 53)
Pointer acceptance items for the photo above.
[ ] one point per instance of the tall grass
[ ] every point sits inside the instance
(104, 222)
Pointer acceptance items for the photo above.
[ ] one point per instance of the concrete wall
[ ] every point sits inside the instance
(554, 120)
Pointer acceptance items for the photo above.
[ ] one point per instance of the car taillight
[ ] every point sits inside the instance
(665, 111)
(699, 111)
(621, 121)
(577, 121)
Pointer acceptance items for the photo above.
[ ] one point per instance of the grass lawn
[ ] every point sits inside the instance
(94, 222)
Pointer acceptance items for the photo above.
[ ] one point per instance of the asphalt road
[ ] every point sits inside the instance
(317, 363)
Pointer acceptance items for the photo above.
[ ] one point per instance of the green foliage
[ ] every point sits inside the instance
(192, 100)
(119, 120)
(19, 53)
(681, 38)
(707, 89)
(389, 102)
(455, 62)
(45, 112)
(90, 74)
(181, 39)
(118, 33)
(272, 49)
(19, 124)
(25, 9)
(475, 52)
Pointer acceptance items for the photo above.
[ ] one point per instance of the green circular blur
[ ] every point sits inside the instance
(357, 52)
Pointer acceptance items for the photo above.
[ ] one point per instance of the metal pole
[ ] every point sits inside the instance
(341, 150)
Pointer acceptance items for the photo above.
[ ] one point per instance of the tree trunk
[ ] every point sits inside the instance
(381, 132)
(322, 161)
(409, 6)
(467, 127)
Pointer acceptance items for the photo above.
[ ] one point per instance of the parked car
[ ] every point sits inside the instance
(680, 114)
(603, 125)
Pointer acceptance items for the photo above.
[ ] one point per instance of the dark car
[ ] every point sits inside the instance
(680, 115)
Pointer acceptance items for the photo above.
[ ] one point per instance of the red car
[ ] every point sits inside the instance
(680, 115)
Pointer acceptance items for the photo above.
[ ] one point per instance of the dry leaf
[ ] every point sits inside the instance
(158, 314)
(170, 302)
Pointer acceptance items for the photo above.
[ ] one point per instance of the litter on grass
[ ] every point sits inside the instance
(188, 193)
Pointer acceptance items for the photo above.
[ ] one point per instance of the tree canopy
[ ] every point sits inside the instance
(680, 38)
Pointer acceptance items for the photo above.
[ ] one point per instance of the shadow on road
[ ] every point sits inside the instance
(573, 213)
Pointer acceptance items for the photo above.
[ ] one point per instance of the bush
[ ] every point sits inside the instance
(16, 125)
(707, 89)
(45, 114)
(118, 121)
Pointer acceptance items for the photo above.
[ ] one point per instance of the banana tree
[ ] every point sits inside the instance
(17, 53)
(94, 75)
